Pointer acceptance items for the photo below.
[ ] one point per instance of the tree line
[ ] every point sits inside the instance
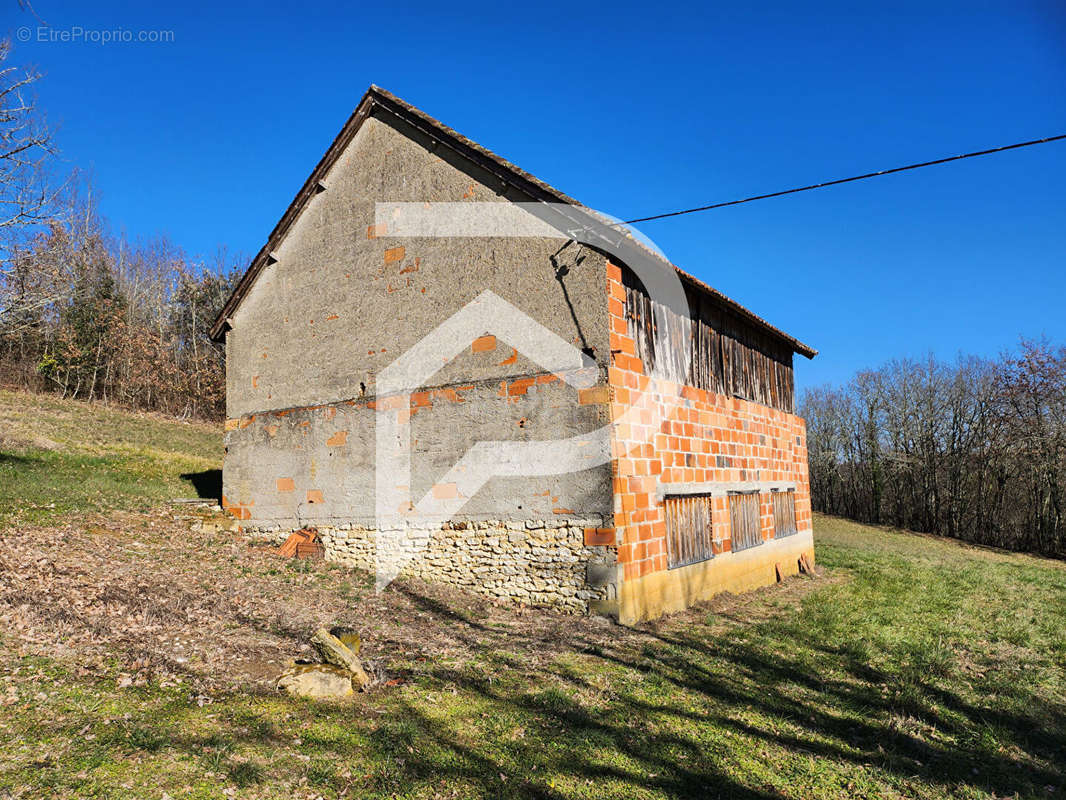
(85, 313)
(974, 449)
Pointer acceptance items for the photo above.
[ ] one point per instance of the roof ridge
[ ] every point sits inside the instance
(377, 96)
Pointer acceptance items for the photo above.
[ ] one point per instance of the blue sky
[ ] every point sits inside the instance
(634, 109)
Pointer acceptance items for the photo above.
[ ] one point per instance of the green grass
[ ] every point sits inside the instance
(916, 668)
(61, 456)
(913, 667)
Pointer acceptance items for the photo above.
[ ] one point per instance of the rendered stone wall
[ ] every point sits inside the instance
(341, 300)
(316, 465)
(345, 297)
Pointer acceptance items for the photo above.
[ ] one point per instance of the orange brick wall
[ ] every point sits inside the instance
(702, 438)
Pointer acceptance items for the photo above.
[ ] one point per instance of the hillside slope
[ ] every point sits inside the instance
(136, 660)
(61, 456)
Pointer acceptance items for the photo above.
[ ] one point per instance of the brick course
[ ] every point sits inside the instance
(708, 439)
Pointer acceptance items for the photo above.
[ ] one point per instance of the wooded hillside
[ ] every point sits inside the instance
(86, 313)
(974, 449)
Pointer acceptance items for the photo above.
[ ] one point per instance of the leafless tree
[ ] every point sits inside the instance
(974, 449)
(30, 199)
(26, 194)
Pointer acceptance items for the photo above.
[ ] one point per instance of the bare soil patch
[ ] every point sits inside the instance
(143, 594)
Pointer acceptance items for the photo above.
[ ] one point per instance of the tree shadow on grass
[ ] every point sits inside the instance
(682, 711)
(814, 698)
(858, 715)
(17, 460)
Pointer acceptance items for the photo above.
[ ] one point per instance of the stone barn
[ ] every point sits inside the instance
(704, 485)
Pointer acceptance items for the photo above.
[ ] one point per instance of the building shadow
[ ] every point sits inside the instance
(207, 484)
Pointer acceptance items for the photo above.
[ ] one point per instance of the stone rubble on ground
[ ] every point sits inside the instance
(334, 651)
(340, 675)
(317, 681)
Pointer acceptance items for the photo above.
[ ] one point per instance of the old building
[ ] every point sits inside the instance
(701, 493)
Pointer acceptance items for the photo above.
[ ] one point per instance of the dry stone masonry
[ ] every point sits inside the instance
(533, 561)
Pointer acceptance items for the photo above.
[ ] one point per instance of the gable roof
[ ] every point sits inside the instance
(377, 99)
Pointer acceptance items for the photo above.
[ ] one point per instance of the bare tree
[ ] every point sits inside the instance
(26, 146)
(975, 449)
(81, 312)
(29, 198)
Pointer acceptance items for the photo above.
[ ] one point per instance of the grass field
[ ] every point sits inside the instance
(59, 456)
(910, 667)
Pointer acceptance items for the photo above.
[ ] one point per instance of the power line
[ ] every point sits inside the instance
(845, 180)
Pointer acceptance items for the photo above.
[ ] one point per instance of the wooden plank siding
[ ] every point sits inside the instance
(784, 513)
(689, 529)
(744, 520)
(727, 355)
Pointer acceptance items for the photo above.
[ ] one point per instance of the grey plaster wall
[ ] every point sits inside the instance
(315, 466)
(322, 321)
(330, 314)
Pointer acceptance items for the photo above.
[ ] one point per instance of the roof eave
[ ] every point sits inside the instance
(746, 313)
(294, 209)
(484, 158)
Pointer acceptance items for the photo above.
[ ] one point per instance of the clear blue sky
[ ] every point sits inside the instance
(634, 109)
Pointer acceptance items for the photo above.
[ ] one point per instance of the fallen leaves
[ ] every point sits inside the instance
(141, 597)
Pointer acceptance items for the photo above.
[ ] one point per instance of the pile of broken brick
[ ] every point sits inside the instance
(303, 543)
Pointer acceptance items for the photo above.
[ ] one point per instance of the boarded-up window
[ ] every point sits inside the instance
(784, 513)
(726, 354)
(689, 528)
(744, 519)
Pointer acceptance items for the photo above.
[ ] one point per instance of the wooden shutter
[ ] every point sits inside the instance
(744, 519)
(784, 513)
(689, 528)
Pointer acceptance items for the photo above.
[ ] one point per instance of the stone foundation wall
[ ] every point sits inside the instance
(534, 562)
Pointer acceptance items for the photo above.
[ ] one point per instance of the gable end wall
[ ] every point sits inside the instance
(343, 300)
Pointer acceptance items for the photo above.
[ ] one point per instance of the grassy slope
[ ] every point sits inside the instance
(59, 456)
(914, 667)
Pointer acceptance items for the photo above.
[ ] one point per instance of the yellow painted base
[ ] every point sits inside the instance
(673, 590)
